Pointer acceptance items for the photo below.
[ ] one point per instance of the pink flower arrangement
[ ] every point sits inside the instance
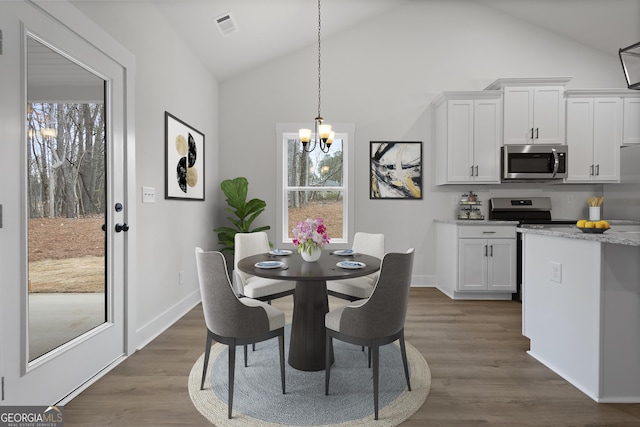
(309, 235)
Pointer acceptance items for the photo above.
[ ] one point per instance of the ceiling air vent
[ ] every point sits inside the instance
(226, 24)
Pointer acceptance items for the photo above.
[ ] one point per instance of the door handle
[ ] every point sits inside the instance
(556, 161)
(122, 227)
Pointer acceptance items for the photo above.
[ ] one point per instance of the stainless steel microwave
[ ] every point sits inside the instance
(536, 162)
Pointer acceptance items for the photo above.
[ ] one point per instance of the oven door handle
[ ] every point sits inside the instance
(556, 162)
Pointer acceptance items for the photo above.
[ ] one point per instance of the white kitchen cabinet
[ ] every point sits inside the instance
(487, 265)
(631, 121)
(534, 110)
(468, 134)
(476, 261)
(594, 136)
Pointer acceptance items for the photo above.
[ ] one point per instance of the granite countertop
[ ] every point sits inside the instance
(618, 234)
(483, 222)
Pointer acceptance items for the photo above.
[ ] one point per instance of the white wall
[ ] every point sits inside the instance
(382, 76)
(622, 201)
(169, 77)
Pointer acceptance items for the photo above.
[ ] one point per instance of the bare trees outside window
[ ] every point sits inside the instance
(315, 186)
(66, 152)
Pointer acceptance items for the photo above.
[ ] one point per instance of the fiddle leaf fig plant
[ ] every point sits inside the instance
(245, 212)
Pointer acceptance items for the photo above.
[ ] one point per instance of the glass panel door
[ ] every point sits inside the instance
(66, 187)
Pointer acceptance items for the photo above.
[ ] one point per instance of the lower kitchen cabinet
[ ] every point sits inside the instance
(476, 261)
(487, 264)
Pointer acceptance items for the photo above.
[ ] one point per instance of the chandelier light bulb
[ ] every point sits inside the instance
(332, 136)
(324, 131)
(304, 135)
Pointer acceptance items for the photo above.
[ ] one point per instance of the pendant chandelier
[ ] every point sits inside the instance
(322, 135)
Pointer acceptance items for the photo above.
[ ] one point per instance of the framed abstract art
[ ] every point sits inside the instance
(396, 170)
(184, 154)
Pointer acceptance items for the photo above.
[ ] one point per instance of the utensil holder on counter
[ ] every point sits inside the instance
(594, 213)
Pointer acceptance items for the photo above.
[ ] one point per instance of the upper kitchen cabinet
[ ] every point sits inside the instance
(534, 111)
(467, 136)
(631, 118)
(594, 136)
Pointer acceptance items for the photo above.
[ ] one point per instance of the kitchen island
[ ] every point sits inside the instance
(581, 307)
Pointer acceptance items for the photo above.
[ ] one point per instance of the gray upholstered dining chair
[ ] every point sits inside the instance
(377, 320)
(359, 287)
(248, 244)
(231, 320)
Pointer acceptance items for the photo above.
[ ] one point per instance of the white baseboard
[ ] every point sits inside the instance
(151, 330)
(425, 281)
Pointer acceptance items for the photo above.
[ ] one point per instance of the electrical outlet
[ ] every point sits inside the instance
(556, 272)
(181, 277)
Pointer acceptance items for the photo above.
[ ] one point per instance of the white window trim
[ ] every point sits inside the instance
(348, 150)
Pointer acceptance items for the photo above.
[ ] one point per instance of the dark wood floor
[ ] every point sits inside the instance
(480, 372)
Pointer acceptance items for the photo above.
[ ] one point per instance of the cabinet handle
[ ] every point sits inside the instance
(471, 170)
(536, 133)
(485, 250)
(488, 232)
(491, 250)
(531, 133)
(591, 171)
(597, 169)
(476, 170)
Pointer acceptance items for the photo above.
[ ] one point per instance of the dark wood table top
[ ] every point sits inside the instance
(300, 270)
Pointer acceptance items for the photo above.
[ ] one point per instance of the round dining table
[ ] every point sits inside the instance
(310, 300)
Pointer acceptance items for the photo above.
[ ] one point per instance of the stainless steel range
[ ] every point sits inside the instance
(530, 212)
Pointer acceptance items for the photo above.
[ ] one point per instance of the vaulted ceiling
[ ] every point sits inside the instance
(270, 29)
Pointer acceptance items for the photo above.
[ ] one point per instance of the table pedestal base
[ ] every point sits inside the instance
(307, 345)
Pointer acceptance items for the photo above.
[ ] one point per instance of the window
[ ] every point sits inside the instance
(314, 184)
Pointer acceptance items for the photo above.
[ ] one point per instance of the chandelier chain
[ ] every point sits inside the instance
(319, 78)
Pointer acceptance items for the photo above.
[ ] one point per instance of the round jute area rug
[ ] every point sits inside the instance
(258, 398)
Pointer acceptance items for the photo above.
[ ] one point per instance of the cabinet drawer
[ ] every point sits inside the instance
(487, 232)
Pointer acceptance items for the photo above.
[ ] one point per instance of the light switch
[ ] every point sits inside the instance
(556, 272)
(148, 195)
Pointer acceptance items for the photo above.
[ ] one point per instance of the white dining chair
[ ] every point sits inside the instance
(359, 287)
(248, 244)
